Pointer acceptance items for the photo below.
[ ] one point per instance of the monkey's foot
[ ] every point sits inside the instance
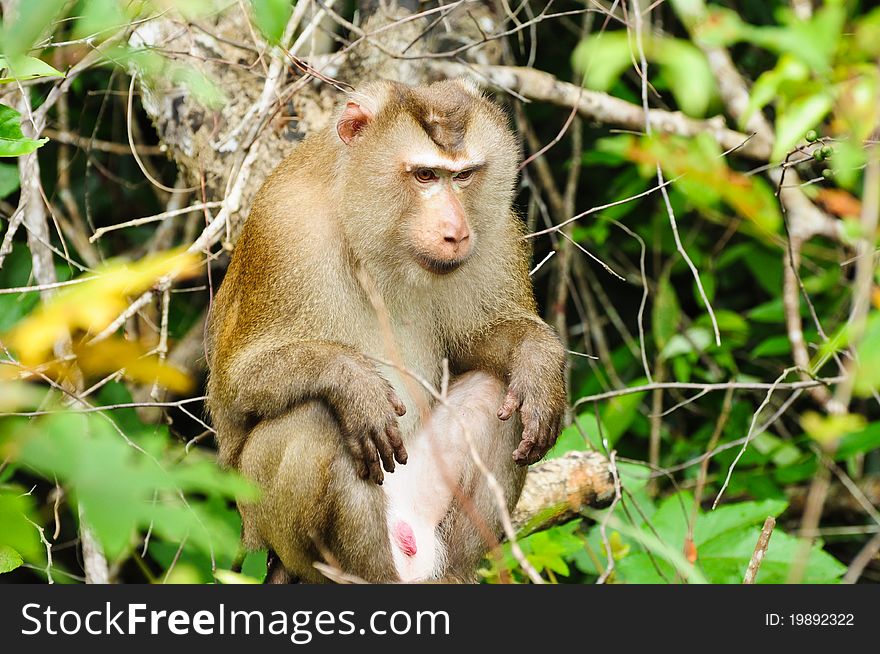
(406, 539)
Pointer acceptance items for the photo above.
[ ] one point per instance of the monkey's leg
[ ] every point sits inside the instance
(314, 507)
(473, 523)
(440, 476)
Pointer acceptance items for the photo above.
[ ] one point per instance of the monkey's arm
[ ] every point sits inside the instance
(264, 380)
(524, 352)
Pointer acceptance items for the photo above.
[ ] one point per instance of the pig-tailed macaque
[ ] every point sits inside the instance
(384, 246)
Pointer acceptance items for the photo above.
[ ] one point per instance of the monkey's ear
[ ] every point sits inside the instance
(354, 118)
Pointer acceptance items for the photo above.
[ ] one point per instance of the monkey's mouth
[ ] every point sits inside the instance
(438, 266)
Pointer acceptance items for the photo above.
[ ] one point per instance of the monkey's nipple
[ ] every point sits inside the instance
(406, 539)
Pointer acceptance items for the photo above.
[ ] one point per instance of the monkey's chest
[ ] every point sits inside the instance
(410, 358)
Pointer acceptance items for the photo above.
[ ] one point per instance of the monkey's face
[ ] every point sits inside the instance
(440, 237)
(433, 168)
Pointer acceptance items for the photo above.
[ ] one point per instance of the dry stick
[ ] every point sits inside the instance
(563, 263)
(751, 432)
(723, 386)
(48, 547)
(71, 138)
(760, 550)
(595, 106)
(200, 206)
(77, 228)
(861, 303)
(867, 554)
(669, 211)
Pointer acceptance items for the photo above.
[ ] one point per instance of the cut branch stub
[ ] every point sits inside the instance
(557, 490)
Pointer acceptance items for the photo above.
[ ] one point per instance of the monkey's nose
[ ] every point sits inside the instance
(455, 236)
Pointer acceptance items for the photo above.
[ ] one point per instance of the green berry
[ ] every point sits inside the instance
(812, 136)
(818, 155)
(827, 151)
(827, 173)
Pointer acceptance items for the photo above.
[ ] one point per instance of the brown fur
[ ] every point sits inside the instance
(299, 405)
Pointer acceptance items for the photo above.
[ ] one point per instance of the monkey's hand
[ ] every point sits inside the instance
(537, 391)
(367, 411)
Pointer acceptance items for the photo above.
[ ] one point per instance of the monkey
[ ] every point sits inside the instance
(381, 261)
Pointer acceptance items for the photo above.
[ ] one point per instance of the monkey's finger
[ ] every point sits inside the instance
(399, 406)
(522, 454)
(374, 464)
(386, 453)
(510, 405)
(357, 454)
(393, 433)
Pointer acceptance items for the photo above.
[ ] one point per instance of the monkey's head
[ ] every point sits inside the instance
(426, 175)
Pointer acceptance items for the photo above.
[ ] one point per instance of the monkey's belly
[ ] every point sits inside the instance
(420, 493)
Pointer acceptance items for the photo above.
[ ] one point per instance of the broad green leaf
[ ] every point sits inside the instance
(99, 18)
(802, 115)
(9, 559)
(687, 73)
(868, 370)
(726, 558)
(16, 509)
(9, 180)
(859, 442)
(13, 143)
(229, 577)
(254, 565)
(271, 17)
(734, 516)
(827, 430)
(773, 346)
(29, 22)
(25, 68)
(766, 87)
(122, 490)
(695, 339)
(603, 58)
(666, 315)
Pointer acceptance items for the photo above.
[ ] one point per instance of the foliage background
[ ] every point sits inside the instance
(718, 289)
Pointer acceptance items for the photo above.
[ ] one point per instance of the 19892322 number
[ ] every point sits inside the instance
(809, 620)
(821, 619)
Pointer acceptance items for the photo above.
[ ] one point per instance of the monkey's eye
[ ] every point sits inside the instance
(426, 175)
(464, 175)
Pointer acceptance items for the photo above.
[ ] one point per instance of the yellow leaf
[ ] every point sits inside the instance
(113, 354)
(92, 305)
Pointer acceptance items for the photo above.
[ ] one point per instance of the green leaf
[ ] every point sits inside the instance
(31, 20)
(271, 17)
(829, 429)
(13, 142)
(775, 346)
(122, 489)
(254, 564)
(97, 18)
(666, 315)
(25, 68)
(734, 516)
(9, 180)
(9, 559)
(726, 558)
(16, 509)
(859, 442)
(685, 70)
(604, 57)
(229, 577)
(766, 87)
(802, 115)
